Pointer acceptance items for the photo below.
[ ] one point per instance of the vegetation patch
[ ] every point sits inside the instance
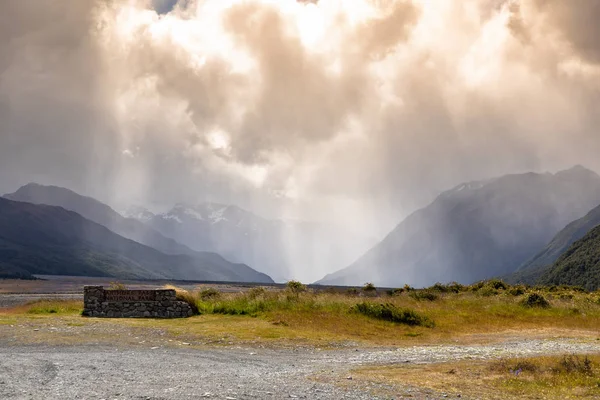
(423, 295)
(389, 312)
(535, 300)
(46, 306)
(545, 377)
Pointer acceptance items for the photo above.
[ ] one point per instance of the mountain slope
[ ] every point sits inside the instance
(278, 248)
(579, 265)
(562, 241)
(42, 239)
(98, 212)
(476, 230)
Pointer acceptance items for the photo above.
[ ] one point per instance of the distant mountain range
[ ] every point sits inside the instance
(478, 230)
(275, 247)
(91, 246)
(534, 228)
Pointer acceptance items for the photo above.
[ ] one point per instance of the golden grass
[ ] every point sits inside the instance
(326, 319)
(538, 378)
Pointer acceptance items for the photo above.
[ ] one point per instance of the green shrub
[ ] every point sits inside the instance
(496, 284)
(352, 291)
(389, 312)
(487, 291)
(408, 288)
(476, 286)
(369, 288)
(296, 287)
(453, 287)
(535, 300)
(516, 290)
(397, 291)
(423, 295)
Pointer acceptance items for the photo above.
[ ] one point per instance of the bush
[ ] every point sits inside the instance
(296, 287)
(573, 363)
(535, 300)
(389, 312)
(256, 292)
(369, 288)
(516, 290)
(423, 295)
(496, 284)
(117, 286)
(453, 287)
(209, 293)
(352, 291)
(396, 292)
(487, 291)
(408, 288)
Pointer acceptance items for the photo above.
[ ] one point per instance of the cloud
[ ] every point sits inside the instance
(357, 112)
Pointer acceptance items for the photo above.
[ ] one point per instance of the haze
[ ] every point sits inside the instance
(351, 113)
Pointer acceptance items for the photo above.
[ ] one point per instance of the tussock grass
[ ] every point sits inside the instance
(185, 296)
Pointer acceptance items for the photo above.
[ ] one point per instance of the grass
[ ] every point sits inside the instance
(389, 312)
(49, 307)
(329, 318)
(455, 311)
(546, 377)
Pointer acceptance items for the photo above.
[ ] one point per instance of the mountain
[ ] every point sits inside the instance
(579, 265)
(278, 248)
(476, 230)
(100, 213)
(43, 239)
(559, 244)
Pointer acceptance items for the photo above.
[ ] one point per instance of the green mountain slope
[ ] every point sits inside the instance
(42, 239)
(579, 265)
(561, 242)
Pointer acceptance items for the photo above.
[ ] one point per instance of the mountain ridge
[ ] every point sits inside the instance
(127, 228)
(476, 230)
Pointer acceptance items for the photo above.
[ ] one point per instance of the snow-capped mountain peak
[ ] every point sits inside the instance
(138, 212)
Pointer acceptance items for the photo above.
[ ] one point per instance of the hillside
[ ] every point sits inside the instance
(42, 239)
(100, 213)
(579, 265)
(560, 243)
(273, 246)
(476, 230)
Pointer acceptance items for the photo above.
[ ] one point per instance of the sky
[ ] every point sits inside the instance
(351, 112)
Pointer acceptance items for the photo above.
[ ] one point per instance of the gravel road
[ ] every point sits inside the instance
(100, 372)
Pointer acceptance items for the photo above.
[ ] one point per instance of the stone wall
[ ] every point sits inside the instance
(98, 302)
